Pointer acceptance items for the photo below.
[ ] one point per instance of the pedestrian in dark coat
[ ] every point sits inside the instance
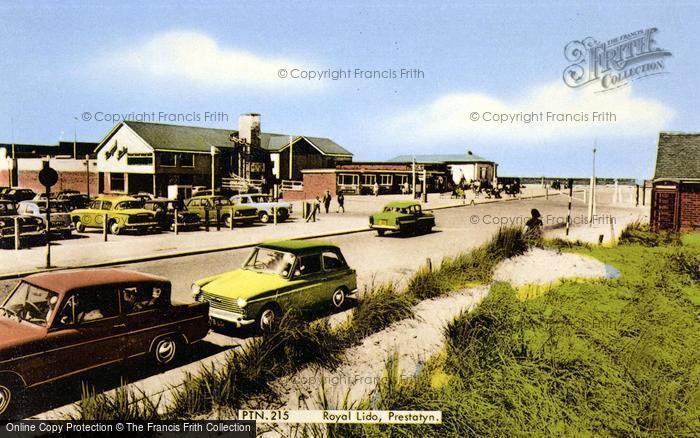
(341, 202)
(327, 200)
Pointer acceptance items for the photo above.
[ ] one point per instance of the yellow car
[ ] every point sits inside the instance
(123, 213)
(278, 276)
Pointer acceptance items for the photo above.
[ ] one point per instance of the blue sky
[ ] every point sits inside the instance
(59, 60)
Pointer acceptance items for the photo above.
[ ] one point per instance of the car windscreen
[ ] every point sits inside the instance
(7, 209)
(126, 205)
(55, 208)
(270, 261)
(260, 199)
(31, 304)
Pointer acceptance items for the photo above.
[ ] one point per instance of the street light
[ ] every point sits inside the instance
(213, 151)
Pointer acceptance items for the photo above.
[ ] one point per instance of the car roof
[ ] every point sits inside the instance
(401, 204)
(65, 281)
(115, 198)
(298, 246)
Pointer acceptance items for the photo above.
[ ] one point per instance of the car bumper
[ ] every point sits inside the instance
(233, 318)
(140, 226)
(385, 227)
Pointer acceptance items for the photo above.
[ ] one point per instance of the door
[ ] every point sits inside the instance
(145, 313)
(309, 271)
(336, 270)
(88, 332)
(665, 208)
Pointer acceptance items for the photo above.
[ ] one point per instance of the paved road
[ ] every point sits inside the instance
(378, 259)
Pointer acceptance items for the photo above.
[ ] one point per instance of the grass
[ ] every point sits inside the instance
(297, 343)
(609, 357)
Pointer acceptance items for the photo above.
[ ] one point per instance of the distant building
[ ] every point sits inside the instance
(149, 157)
(395, 175)
(675, 196)
(20, 165)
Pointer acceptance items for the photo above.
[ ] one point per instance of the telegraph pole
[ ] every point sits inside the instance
(413, 176)
(591, 200)
(291, 147)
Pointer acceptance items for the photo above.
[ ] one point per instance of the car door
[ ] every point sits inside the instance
(336, 269)
(309, 293)
(145, 314)
(88, 332)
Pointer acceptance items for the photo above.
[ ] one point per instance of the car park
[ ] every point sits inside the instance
(277, 277)
(405, 217)
(165, 210)
(124, 213)
(58, 324)
(208, 205)
(18, 194)
(29, 227)
(60, 216)
(266, 206)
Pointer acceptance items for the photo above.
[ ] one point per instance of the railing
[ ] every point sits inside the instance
(237, 183)
(290, 185)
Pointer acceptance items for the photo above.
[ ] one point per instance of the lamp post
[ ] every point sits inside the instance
(591, 201)
(213, 151)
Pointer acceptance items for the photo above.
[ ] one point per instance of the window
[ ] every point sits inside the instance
(140, 298)
(369, 180)
(332, 261)
(106, 205)
(345, 179)
(186, 160)
(117, 182)
(30, 303)
(139, 159)
(386, 180)
(89, 305)
(167, 160)
(308, 265)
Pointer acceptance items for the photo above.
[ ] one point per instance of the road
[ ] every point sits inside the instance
(376, 259)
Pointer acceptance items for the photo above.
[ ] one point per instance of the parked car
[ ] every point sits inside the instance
(60, 216)
(406, 217)
(143, 196)
(164, 210)
(30, 227)
(74, 200)
(265, 205)
(123, 213)
(18, 194)
(61, 323)
(42, 196)
(242, 214)
(291, 274)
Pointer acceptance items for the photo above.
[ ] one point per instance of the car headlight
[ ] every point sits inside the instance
(195, 290)
(241, 302)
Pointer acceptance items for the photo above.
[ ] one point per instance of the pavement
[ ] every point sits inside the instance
(90, 250)
(376, 259)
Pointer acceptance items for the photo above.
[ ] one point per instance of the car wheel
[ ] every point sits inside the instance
(7, 393)
(165, 350)
(380, 232)
(264, 217)
(227, 221)
(268, 319)
(114, 228)
(79, 226)
(338, 298)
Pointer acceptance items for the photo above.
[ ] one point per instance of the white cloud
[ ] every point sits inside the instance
(197, 59)
(447, 118)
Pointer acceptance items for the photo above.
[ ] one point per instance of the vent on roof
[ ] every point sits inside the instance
(469, 152)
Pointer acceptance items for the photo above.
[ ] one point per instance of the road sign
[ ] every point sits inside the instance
(48, 176)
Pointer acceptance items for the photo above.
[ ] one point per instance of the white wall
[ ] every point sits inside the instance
(458, 170)
(124, 137)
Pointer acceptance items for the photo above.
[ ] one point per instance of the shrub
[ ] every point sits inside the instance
(638, 233)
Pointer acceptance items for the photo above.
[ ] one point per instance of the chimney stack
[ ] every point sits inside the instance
(249, 128)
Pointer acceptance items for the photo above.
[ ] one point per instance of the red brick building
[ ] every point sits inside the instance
(675, 196)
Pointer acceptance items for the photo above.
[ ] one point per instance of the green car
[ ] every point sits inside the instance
(123, 213)
(242, 214)
(406, 217)
(278, 276)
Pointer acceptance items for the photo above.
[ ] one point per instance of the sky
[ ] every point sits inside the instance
(76, 67)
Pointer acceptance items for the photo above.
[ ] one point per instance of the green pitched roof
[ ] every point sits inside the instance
(678, 156)
(440, 158)
(162, 136)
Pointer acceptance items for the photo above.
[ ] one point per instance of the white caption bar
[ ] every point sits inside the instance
(342, 416)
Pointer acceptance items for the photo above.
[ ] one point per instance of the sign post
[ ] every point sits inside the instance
(48, 177)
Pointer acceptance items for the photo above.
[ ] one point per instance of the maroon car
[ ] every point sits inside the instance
(54, 325)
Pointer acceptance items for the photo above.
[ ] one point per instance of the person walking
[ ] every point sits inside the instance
(375, 189)
(341, 202)
(327, 200)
